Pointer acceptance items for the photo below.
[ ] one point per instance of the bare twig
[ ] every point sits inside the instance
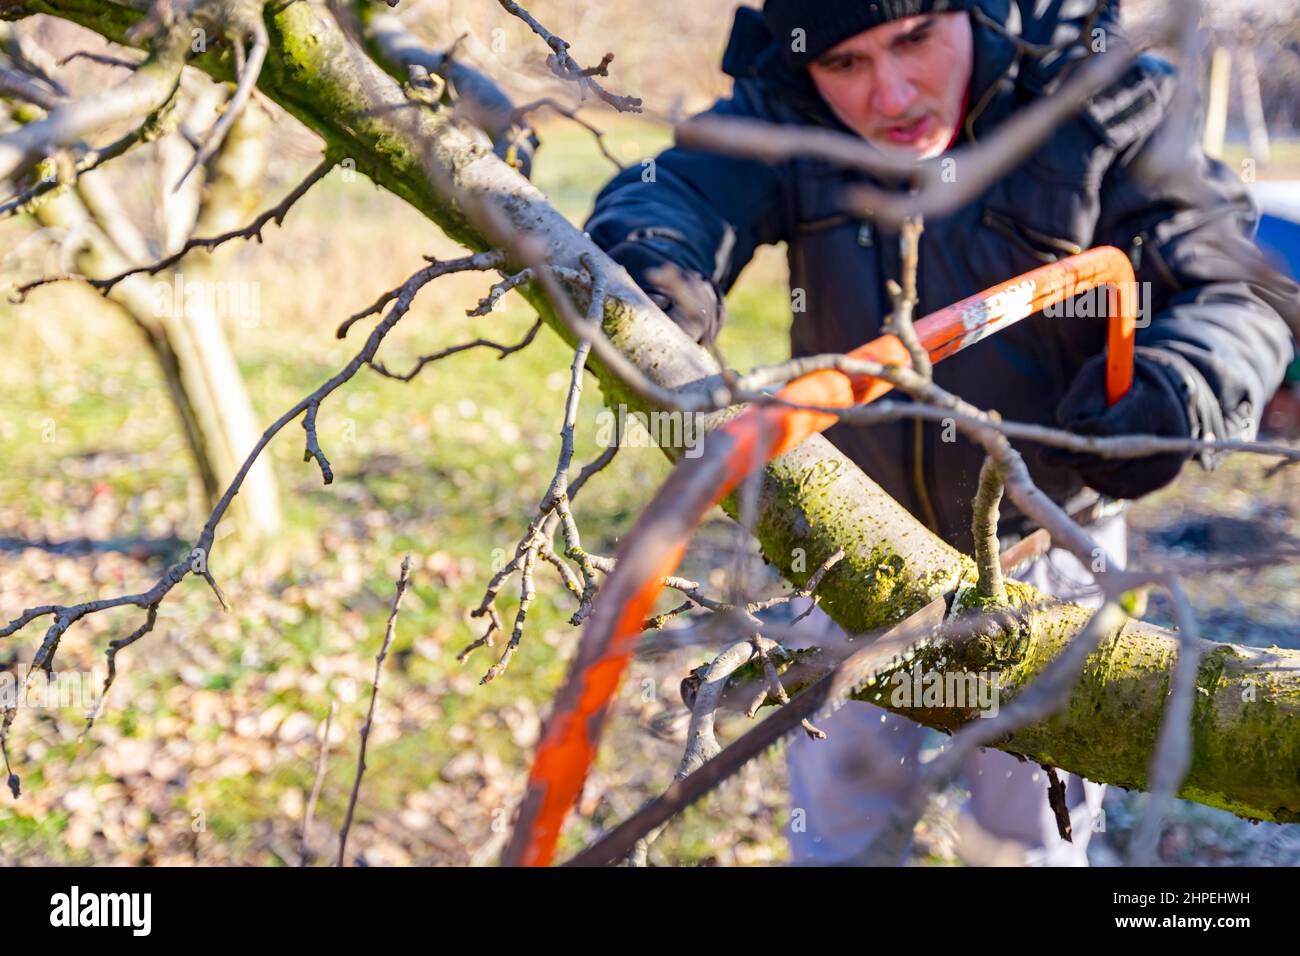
(425, 360)
(900, 322)
(1056, 800)
(249, 70)
(489, 301)
(104, 59)
(144, 91)
(390, 632)
(305, 852)
(19, 86)
(313, 449)
(198, 561)
(814, 582)
(984, 527)
(253, 230)
(567, 68)
(478, 262)
(554, 509)
(571, 113)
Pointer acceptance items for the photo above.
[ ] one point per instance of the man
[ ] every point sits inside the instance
(916, 78)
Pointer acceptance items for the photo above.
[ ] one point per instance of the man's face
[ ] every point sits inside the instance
(900, 85)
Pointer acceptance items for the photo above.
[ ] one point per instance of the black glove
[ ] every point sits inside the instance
(689, 299)
(1153, 406)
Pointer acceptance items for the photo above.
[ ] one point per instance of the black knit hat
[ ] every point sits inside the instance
(826, 23)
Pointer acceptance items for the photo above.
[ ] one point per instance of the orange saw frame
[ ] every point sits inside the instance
(654, 547)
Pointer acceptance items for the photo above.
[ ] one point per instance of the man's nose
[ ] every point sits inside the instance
(891, 93)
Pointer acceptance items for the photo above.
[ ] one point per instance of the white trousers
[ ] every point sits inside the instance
(846, 785)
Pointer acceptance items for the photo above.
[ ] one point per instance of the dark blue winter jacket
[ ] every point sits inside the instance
(1215, 325)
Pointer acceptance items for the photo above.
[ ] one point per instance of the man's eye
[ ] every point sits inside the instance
(916, 39)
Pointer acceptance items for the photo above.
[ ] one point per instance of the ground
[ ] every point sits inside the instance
(208, 745)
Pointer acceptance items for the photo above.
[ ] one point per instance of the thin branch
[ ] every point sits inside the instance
(253, 230)
(567, 68)
(313, 449)
(749, 389)
(147, 89)
(489, 301)
(554, 504)
(905, 297)
(249, 71)
(104, 59)
(425, 360)
(1056, 801)
(389, 633)
(305, 852)
(537, 537)
(814, 582)
(572, 114)
(151, 618)
(198, 561)
(19, 86)
(478, 262)
(984, 527)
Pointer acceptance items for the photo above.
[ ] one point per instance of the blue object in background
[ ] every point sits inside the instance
(1279, 227)
(1280, 240)
(1279, 234)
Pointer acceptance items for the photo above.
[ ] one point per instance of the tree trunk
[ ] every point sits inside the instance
(230, 191)
(185, 335)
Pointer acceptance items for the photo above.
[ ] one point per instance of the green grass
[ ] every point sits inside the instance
(453, 464)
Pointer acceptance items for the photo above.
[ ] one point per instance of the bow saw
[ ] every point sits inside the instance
(656, 544)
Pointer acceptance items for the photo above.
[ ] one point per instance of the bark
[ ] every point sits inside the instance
(813, 500)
